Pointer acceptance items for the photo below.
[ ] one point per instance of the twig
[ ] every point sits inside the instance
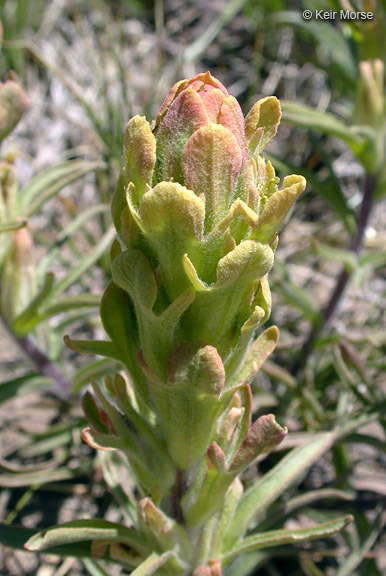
(62, 386)
(354, 246)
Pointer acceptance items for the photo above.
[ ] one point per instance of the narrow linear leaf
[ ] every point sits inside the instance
(97, 347)
(94, 568)
(49, 182)
(72, 303)
(312, 119)
(247, 564)
(272, 485)
(23, 385)
(17, 468)
(355, 558)
(309, 567)
(200, 45)
(279, 373)
(257, 354)
(301, 501)
(93, 370)
(349, 259)
(16, 536)
(84, 530)
(335, 44)
(112, 476)
(360, 419)
(66, 233)
(27, 320)
(281, 537)
(328, 188)
(40, 477)
(76, 91)
(297, 295)
(83, 265)
(11, 226)
(153, 563)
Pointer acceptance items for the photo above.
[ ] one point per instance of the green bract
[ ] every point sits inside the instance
(197, 211)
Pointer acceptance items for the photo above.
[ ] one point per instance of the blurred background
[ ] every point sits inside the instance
(87, 67)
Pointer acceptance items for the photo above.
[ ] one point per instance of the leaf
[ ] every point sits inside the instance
(92, 370)
(354, 559)
(49, 182)
(22, 385)
(256, 355)
(111, 467)
(274, 483)
(16, 468)
(100, 441)
(283, 511)
(85, 530)
(39, 477)
(231, 499)
(16, 536)
(97, 347)
(330, 39)
(277, 206)
(205, 39)
(94, 568)
(346, 257)
(297, 295)
(262, 437)
(132, 272)
(153, 563)
(27, 320)
(72, 302)
(329, 188)
(67, 232)
(139, 152)
(147, 455)
(247, 564)
(312, 119)
(11, 226)
(261, 123)
(360, 419)
(139, 156)
(118, 319)
(279, 373)
(373, 259)
(82, 266)
(281, 537)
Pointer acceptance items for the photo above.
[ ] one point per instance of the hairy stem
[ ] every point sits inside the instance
(354, 246)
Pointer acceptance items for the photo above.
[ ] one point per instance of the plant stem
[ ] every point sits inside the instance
(354, 246)
(178, 491)
(62, 386)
